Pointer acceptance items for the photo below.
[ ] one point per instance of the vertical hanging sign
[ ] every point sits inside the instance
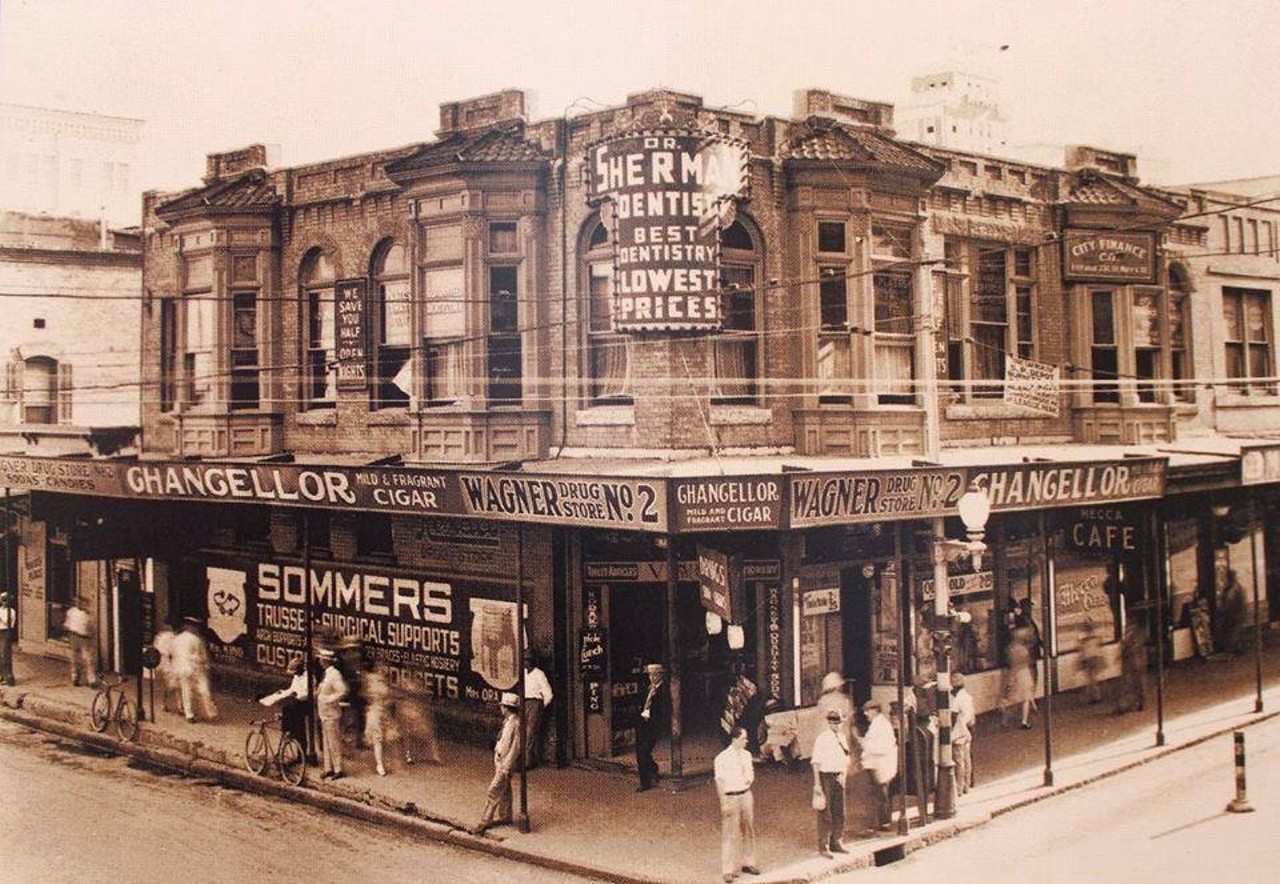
(666, 195)
(352, 331)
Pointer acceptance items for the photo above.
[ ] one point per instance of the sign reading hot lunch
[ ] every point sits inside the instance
(666, 195)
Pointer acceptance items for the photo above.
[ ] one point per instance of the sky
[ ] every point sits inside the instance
(1187, 86)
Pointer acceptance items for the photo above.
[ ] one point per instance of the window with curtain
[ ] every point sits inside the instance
(1180, 368)
(735, 349)
(394, 330)
(1247, 332)
(198, 362)
(321, 372)
(990, 302)
(1104, 357)
(444, 323)
(608, 353)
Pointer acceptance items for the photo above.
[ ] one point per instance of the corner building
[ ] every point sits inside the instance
(659, 382)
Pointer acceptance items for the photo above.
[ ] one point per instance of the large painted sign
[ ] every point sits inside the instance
(352, 334)
(666, 196)
(1108, 256)
(452, 639)
(875, 496)
(724, 504)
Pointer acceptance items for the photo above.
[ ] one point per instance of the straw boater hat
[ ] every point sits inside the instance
(871, 704)
(832, 681)
(654, 668)
(834, 715)
(509, 700)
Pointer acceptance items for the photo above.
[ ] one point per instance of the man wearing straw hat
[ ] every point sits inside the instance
(651, 725)
(330, 693)
(497, 807)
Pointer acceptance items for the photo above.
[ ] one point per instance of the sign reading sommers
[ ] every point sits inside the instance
(666, 195)
(876, 496)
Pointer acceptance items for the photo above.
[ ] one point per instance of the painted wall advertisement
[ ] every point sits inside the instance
(451, 639)
(665, 196)
(1108, 256)
(352, 334)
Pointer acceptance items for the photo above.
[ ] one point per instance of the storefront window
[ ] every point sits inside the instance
(1184, 580)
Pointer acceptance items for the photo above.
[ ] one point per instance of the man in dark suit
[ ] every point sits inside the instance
(654, 721)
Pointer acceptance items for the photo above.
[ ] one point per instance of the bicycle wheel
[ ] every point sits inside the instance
(255, 751)
(99, 711)
(126, 719)
(292, 761)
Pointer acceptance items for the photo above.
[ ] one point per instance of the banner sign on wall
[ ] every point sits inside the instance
(352, 334)
(666, 196)
(1108, 256)
(723, 504)
(1032, 384)
(453, 640)
(874, 496)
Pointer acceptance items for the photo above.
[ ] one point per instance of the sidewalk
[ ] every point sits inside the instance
(592, 823)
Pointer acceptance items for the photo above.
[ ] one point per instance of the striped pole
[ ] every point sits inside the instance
(1239, 804)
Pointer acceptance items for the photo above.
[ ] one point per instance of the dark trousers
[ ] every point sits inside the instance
(293, 721)
(647, 767)
(831, 818)
(6, 657)
(880, 803)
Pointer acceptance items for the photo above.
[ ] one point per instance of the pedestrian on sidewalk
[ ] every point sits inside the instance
(734, 774)
(880, 760)
(296, 708)
(171, 692)
(1091, 659)
(1133, 667)
(79, 628)
(537, 697)
(416, 722)
(654, 721)
(191, 668)
(330, 693)
(497, 806)
(8, 628)
(1231, 615)
(379, 726)
(964, 720)
(834, 698)
(830, 762)
(1019, 676)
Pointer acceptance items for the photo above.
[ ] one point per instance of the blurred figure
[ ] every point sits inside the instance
(1019, 676)
(171, 692)
(416, 722)
(964, 720)
(378, 724)
(1231, 615)
(79, 629)
(879, 760)
(834, 699)
(1132, 695)
(1091, 659)
(191, 668)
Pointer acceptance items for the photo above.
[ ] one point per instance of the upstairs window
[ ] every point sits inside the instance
(504, 350)
(393, 330)
(736, 348)
(1247, 324)
(199, 366)
(244, 350)
(990, 305)
(1179, 360)
(321, 371)
(40, 389)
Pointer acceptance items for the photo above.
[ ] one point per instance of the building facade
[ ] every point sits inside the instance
(659, 383)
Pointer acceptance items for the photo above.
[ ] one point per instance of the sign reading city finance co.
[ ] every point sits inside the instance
(1108, 256)
(847, 498)
(666, 195)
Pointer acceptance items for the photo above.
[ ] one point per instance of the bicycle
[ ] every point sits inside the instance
(288, 756)
(110, 704)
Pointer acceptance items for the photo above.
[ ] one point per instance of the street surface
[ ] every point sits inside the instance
(71, 814)
(1161, 822)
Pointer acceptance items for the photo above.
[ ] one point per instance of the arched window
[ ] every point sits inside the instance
(736, 349)
(321, 373)
(608, 353)
(393, 330)
(41, 387)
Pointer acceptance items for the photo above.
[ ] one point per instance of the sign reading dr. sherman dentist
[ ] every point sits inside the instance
(669, 193)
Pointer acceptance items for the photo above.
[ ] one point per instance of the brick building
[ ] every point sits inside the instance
(704, 387)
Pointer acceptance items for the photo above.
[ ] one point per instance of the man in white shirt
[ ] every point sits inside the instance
(537, 697)
(191, 668)
(734, 776)
(330, 693)
(8, 624)
(880, 759)
(830, 770)
(963, 721)
(80, 638)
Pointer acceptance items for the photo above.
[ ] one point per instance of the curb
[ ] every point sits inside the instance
(160, 749)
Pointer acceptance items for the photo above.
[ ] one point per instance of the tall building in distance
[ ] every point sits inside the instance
(70, 163)
(956, 110)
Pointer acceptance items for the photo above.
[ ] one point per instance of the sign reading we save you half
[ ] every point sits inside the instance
(666, 195)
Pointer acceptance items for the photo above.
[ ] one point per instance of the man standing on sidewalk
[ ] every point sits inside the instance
(80, 638)
(497, 807)
(330, 693)
(962, 725)
(654, 721)
(830, 770)
(191, 667)
(537, 697)
(880, 758)
(734, 776)
(8, 623)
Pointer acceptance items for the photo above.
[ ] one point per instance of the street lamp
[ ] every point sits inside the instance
(974, 509)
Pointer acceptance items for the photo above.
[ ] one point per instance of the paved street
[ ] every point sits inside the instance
(81, 816)
(1161, 822)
